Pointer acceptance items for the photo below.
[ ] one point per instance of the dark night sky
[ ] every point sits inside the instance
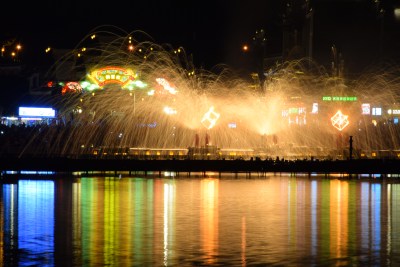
(213, 31)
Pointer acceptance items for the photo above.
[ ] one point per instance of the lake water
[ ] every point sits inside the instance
(196, 221)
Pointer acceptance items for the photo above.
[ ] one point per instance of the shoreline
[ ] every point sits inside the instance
(70, 165)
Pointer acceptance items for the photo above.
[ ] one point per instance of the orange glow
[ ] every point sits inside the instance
(339, 120)
(210, 118)
(209, 218)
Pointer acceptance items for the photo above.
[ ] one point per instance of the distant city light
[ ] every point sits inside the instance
(397, 13)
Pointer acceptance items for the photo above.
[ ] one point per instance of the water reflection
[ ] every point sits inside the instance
(278, 220)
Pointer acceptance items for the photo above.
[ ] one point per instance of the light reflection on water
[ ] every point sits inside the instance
(276, 220)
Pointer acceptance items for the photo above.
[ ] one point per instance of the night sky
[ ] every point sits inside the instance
(213, 31)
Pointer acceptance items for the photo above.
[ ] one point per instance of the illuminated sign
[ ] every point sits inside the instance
(393, 111)
(298, 110)
(377, 111)
(339, 120)
(340, 98)
(169, 111)
(36, 112)
(110, 74)
(210, 118)
(366, 109)
(232, 125)
(314, 108)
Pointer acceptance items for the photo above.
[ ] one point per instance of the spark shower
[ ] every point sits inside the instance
(122, 90)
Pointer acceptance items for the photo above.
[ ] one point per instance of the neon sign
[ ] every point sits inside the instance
(377, 111)
(339, 120)
(111, 74)
(393, 111)
(340, 98)
(36, 112)
(210, 118)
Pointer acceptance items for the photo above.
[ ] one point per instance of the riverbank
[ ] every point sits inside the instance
(69, 165)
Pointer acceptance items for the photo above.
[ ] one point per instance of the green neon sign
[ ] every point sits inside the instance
(339, 98)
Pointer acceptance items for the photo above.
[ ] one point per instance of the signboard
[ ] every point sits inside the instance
(366, 109)
(36, 112)
(340, 98)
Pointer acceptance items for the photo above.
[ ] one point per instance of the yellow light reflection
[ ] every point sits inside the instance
(209, 218)
(339, 191)
(168, 212)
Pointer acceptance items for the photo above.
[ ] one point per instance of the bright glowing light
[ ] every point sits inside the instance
(365, 109)
(140, 84)
(397, 13)
(36, 112)
(340, 98)
(111, 74)
(314, 108)
(339, 120)
(210, 118)
(169, 111)
(165, 84)
(377, 111)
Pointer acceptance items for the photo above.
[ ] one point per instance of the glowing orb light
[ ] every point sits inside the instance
(339, 120)
(210, 118)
